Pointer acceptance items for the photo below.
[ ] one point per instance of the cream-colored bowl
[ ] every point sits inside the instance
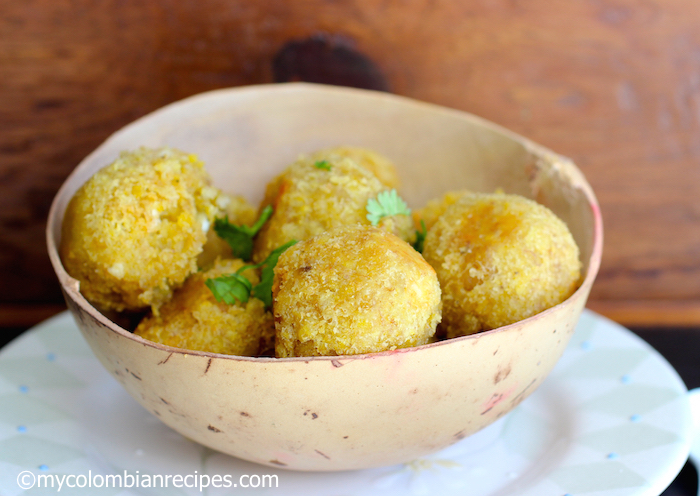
(337, 413)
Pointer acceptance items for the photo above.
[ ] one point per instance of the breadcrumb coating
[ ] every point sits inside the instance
(194, 320)
(377, 164)
(309, 200)
(500, 259)
(432, 211)
(239, 212)
(133, 231)
(353, 290)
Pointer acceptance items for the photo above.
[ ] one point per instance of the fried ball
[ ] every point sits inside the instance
(194, 320)
(309, 200)
(377, 164)
(132, 232)
(500, 259)
(353, 290)
(239, 212)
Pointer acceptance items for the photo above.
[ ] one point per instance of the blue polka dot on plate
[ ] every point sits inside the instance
(50, 357)
(21, 428)
(613, 456)
(23, 389)
(43, 467)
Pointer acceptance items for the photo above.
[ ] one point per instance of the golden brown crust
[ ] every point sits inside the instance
(353, 290)
(136, 230)
(308, 200)
(500, 259)
(377, 164)
(431, 212)
(194, 320)
(132, 232)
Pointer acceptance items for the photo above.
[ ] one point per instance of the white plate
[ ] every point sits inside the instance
(613, 419)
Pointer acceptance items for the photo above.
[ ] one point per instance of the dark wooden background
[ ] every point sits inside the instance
(614, 84)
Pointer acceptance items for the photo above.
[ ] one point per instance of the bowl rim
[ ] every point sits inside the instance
(70, 286)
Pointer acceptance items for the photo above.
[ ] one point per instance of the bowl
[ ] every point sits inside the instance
(345, 412)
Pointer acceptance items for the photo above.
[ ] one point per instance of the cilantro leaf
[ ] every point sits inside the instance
(240, 238)
(230, 288)
(263, 290)
(322, 164)
(386, 204)
(420, 237)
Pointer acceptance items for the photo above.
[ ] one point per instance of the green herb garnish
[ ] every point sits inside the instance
(232, 287)
(420, 237)
(386, 204)
(240, 238)
(263, 290)
(323, 164)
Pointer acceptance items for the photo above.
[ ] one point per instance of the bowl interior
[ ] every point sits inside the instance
(246, 136)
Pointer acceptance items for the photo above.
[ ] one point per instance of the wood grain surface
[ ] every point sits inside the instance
(613, 84)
